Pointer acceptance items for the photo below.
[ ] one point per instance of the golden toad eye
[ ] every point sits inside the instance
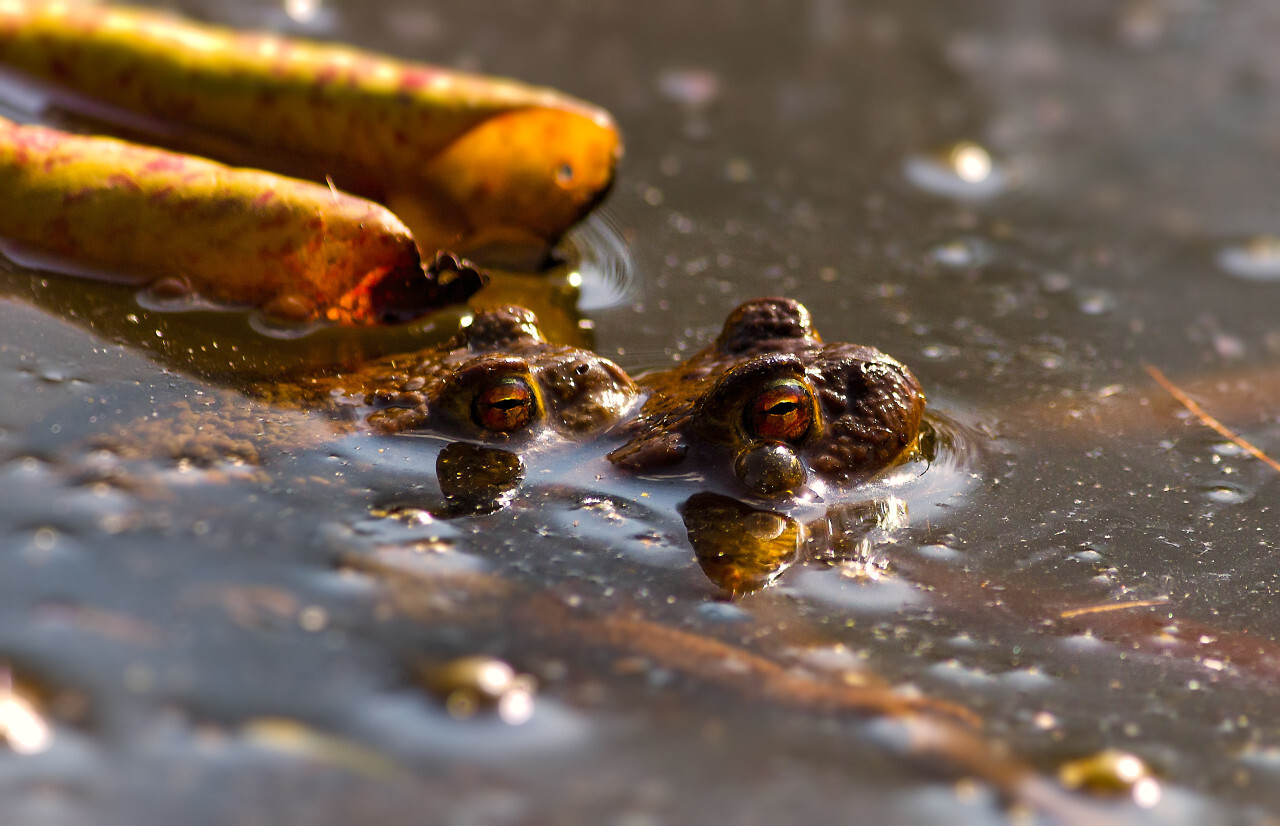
(505, 406)
(783, 412)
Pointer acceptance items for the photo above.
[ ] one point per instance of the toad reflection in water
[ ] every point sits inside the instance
(789, 415)
(743, 549)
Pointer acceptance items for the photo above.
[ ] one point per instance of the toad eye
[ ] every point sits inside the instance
(504, 406)
(783, 412)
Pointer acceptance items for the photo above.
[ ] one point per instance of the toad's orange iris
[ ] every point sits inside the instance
(783, 412)
(505, 406)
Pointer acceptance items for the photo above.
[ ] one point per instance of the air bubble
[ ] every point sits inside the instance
(963, 170)
(1227, 494)
(960, 254)
(939, 352)
(1257, 259)
(1097, 302)
(302, 11)
(694, 88)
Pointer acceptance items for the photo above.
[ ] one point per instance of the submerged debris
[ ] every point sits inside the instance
(1112, 771)
(470, 685)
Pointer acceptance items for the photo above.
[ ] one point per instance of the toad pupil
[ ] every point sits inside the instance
(781, 413)
(504, 407)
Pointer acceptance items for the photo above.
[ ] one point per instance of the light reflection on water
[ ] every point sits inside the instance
(604, 264)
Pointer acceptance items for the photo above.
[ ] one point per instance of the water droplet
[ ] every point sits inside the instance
(313, 618)
(1096, 302)
(1055, 282)
(45, 539)
(1228, 346)
(939, 352)
(1257, 259)
(964, 170)
(694, 88)
(681, 223)
(1223, 494)
(1044, 721)
(1049, 361)
(302, 11)
(960, 254)
(942, 553)
(1228, 450)
(1264, 757)
(954, 671)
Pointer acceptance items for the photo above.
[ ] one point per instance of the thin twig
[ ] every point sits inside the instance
(1209, 421)
(1107, 608)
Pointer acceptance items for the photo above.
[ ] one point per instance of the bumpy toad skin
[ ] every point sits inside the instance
(498, 381)
(780, 409)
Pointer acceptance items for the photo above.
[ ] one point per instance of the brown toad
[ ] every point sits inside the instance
(784, 411)
(497, 381)
(498, 391)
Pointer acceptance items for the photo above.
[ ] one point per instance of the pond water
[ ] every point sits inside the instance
(1027, 202)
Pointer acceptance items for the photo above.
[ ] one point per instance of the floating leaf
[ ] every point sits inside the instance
(468, 161)
(235, 236)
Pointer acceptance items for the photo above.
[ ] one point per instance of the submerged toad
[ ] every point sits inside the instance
(498, 390)
(497, 381)
(783, 410)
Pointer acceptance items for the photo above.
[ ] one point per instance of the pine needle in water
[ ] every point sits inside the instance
(1209, 421)
(1111, 606)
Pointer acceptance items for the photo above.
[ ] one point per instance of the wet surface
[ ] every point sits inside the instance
(1024, 202)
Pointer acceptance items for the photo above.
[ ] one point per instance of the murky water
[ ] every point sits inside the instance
(1025, 202)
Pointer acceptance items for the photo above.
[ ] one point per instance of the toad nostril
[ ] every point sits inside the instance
(770, 469)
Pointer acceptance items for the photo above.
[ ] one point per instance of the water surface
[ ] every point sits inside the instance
(237, 640)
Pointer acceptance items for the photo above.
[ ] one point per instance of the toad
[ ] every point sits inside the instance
(786, 413)
(498, 381)
(497, 390)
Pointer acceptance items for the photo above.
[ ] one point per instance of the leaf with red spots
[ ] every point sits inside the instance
(235, 236)
(467, 161)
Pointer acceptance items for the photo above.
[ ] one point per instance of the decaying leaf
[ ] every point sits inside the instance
(467, 161)
(235, 236)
